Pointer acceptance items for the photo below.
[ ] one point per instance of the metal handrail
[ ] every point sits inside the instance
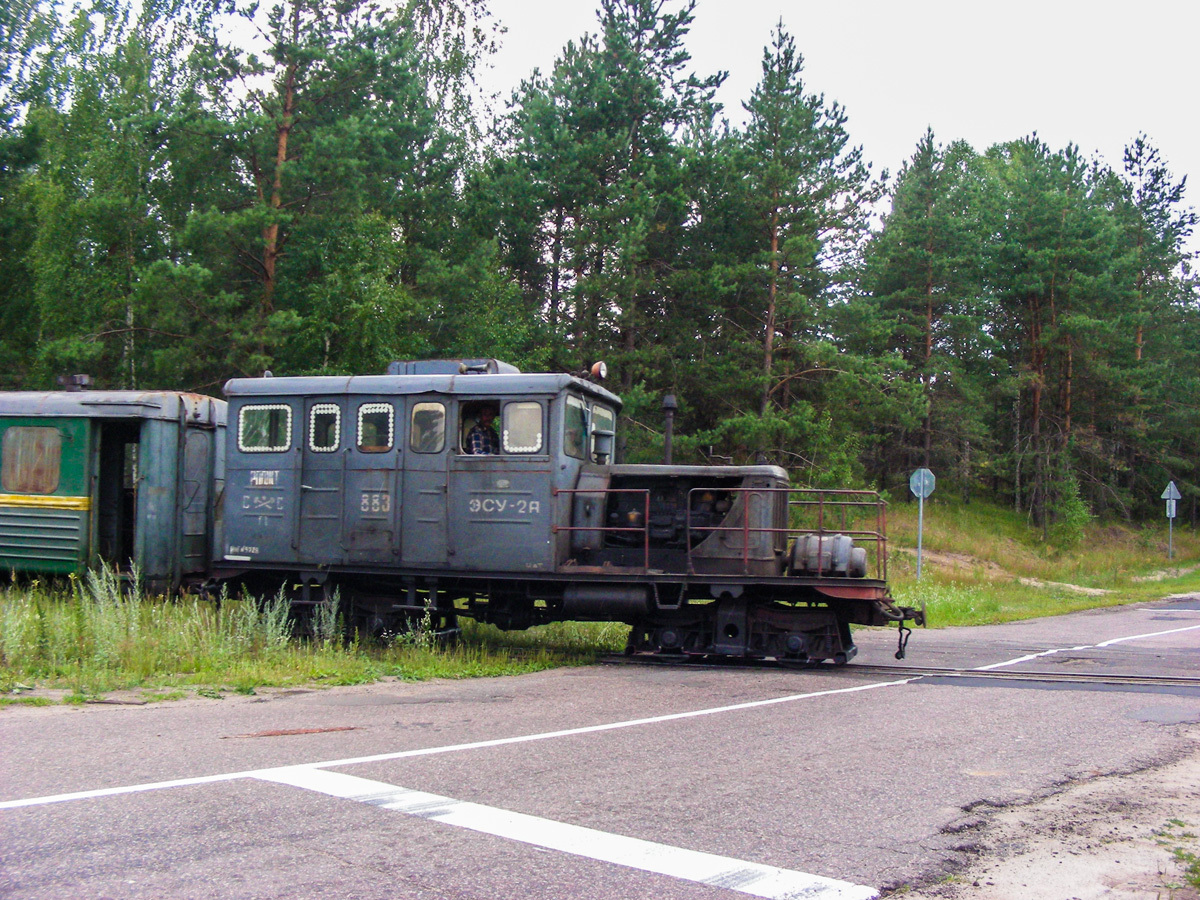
(604, 528)
(842, 500)
(856, 499)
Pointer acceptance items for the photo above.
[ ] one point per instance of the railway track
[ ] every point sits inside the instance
(1082, 678)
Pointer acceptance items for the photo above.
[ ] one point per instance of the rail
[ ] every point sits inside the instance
(840, 505)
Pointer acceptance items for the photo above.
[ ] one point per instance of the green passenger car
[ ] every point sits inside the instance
(123, 478)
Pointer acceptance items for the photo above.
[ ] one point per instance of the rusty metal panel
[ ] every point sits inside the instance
(32, 459)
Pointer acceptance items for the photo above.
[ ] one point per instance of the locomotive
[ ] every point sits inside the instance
(440, 489)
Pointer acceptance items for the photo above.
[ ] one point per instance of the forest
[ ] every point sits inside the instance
(192, 190)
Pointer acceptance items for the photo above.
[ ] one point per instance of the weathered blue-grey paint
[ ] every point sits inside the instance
(432, 511)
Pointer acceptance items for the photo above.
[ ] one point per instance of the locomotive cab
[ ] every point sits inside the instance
(432, 470)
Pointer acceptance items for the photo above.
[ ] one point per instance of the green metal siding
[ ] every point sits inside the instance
(42, 540)
(39, 536)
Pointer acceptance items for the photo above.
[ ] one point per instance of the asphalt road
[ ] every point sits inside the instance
(601, 782)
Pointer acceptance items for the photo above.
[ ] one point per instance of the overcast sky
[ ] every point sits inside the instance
(1090, 73)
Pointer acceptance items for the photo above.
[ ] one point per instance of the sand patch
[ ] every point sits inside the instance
(1109, 837)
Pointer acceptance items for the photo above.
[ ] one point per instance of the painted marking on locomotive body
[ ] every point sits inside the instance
(490, 505)
(262, 503)
(264, 477)
(375, 502)
(751, 878)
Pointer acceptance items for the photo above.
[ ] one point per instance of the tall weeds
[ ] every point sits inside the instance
(102, 633)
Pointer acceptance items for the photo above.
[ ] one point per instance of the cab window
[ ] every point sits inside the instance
(428, 431)
(604, 423)
(376, 427)
(32, 460)
(324, 428)
(575, 429)
(265, 428)
(478, 428)
(522, 431)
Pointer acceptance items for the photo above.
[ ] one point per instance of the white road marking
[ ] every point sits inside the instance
(1101, 645)
(452, 748)
(610, 726)
(1138, 637)
(1021, 659)
(750, 878)
(126, 789)
(569, 732)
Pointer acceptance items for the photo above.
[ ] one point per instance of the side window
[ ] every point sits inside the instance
(604, 428)
(32, 459)
(428, 431)
(325, 428)
(522, 431)
(576, 428)
(478, 428)
(376, 427)
(265, 428)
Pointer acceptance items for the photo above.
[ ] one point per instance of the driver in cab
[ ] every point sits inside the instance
(483, 439)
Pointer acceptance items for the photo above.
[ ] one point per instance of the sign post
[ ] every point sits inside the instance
(1171, 494)
(921, 484)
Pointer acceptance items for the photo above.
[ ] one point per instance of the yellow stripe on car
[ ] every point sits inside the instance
(35, 502)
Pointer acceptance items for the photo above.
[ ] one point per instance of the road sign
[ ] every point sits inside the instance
(1171, 494)
(922, 483)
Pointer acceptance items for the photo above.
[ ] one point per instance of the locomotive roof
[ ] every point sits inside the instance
(657, 470)
(471, 385)
(164, 405)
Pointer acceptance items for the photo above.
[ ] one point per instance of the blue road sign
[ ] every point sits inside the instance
(922, 483)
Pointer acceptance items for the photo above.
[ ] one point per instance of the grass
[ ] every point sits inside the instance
(90, 638)
(984, 564)
(1182, 843)
(86, 638)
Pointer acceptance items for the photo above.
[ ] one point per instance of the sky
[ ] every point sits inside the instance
(1088, 73)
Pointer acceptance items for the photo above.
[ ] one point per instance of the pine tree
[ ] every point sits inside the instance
(923, 275)
(813, 194)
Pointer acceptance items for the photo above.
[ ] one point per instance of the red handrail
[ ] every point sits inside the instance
(645, 529)
(839, 500)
